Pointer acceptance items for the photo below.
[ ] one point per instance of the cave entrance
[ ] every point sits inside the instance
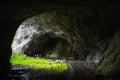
(43, 36)
(36, 39)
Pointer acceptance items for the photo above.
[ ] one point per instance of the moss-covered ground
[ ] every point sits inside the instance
(39, 63)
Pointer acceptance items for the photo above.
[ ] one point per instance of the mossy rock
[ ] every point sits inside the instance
(109, 64)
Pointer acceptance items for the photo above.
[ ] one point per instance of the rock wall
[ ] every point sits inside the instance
(82, 33)
(88, 35)
(95, 25)
(43, 34)
(59, 34)
(109, 65)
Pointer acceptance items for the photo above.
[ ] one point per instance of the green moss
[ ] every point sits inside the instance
(39, 63)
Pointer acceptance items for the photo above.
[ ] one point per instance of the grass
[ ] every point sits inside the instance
(39, 63)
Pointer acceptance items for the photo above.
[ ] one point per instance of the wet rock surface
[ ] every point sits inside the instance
(18, 72)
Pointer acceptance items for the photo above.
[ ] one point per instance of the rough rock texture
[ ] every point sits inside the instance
(109, 65)
(95, 24)
(44, 34)
(60, 33)
(79, 35)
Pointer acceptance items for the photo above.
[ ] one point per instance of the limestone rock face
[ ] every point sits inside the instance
(109, 65)
(42, 33)
(85, 32)
(67, 33)
(88, 35)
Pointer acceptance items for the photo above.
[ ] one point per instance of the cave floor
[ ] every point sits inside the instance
(18, 72)
(77, 71)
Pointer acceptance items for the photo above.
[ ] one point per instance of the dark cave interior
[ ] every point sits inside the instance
(89, 28)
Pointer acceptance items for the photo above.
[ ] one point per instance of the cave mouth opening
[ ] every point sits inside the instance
(36, 40)
(42, 36)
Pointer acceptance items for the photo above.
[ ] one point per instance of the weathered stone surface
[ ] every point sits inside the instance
(109, 65)
(95, 21)
(80, 33)
(44, 33)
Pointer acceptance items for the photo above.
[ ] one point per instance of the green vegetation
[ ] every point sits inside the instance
(39, 63)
